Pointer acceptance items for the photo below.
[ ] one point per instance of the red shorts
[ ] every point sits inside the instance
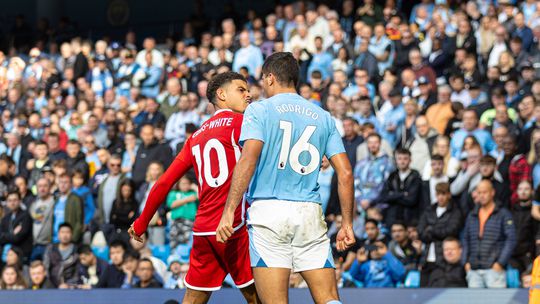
(210, 262)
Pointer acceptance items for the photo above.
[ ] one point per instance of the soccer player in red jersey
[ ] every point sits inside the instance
(213, 150)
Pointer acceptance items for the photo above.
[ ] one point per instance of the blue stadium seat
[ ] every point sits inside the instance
(101, 252)
(346, 276)
(512, 277)
(182, 250)
(413, 279)
(5, 251)
(161, 252)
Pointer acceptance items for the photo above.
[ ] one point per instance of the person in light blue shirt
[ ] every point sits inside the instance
(393, 120)
(470, 127)
(248, 56)
(321, 61)
(284, 139)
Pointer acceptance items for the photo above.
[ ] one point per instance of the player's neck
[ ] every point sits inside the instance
(282, 90)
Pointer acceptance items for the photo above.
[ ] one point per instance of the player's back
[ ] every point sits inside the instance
(296, 135)
(215, 151)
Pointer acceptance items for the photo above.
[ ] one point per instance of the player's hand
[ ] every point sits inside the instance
(345, 238)
(134, 235)
(224, 230)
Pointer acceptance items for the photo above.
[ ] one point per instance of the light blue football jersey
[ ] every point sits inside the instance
(296, 135)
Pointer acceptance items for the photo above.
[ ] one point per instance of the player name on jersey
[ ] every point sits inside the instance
(284, 108)
(221, 122)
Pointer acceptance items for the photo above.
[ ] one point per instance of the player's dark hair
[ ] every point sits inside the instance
(219, 81)
(284, 68)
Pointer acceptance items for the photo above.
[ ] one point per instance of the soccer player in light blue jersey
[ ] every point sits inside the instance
(284, 139)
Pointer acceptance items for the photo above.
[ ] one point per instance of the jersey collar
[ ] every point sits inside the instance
(222, 110)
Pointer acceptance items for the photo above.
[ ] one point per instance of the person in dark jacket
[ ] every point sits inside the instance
(401, 192)
(16, 225)
(145, 273)
(38, 276)
(148, 152)
(113, 276)
(76, 159)
(437, 223)
(61, 259)
(402, 248)
(90, 267)
(450, 272)
(489, 238)
(124, 209)
(523, 254)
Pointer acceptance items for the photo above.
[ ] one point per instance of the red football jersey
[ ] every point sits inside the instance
(213, 150)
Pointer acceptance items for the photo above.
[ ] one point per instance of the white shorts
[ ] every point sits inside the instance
(285, 234)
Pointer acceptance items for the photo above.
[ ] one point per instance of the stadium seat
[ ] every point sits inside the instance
(346, 276)
(413, 279)
(101, 252)
(182, 250)
(4, 252)
(161, 252)
(512, 277)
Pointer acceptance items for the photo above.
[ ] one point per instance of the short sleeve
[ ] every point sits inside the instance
(253, 124)
(334, 145)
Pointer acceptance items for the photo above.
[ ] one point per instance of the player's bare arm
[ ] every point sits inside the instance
(243, 172)
(341, 164)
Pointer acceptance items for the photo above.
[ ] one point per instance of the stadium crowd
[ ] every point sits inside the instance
(438, 105)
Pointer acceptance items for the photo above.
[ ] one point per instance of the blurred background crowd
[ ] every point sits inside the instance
(438, 103)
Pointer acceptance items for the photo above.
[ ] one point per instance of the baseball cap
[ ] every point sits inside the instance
(422, 80)
(100, 57)
(115, 45)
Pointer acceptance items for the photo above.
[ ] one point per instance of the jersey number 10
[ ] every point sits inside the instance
(292, 155)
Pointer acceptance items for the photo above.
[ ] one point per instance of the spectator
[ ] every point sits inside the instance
(377, 267)
(351, 139)
(248, 56)
(75, 158)
(183, 203)
(68, 208)
(178, 268)
(129, 266)
(90, 267)
(149, 151)
(42, 210)
(439, 114)
(470, 127)
(421, 144)
(113, 276)
(38, 277)
(145, 273)
(438, 222)
(34, 165)
(371, 172)
(124, 210)
(489, 239)
(148, 77)
(450, 272)
(26, 195)
(61, 259)
(321, 61)
(16, 225)
(100, 76)
(429, 194)
(175, 130)
(514, 168)
(12, 279)
(392, 121)
(83, 192)
(108, 191)
(401, 247)
(523, 254)
(401, 191)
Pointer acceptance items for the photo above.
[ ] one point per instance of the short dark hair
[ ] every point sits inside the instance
(452, 239)
(373, 135)
(118, 243)
(402, 151)
(133, 254)
(374, 222)
(147, 260)
(399, 223)
(284, 67)
(442, 188)
(14, 192)
(219, 81)
(85, 249)
(67, 225)
(488, 160)
(437, 157)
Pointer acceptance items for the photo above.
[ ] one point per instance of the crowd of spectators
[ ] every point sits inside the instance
(438, 105)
